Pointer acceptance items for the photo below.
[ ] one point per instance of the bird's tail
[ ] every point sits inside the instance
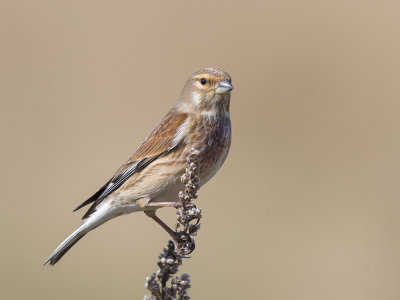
(66, 245)
(102, 214)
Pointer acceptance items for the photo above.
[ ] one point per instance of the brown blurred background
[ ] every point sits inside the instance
(307, 205)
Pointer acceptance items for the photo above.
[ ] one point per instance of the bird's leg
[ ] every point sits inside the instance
(165, 204)
(152, 215)
(173, 234)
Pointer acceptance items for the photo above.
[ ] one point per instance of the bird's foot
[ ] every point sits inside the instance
(184, 243)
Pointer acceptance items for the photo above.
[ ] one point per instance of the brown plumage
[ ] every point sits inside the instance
(198, 122)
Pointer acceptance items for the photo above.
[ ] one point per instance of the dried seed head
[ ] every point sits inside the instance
(188, 216)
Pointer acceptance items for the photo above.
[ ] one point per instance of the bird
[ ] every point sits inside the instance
(150, 178)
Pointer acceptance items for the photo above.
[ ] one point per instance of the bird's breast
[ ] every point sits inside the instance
(213, 141)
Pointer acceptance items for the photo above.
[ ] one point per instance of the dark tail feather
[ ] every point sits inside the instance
(65, 246)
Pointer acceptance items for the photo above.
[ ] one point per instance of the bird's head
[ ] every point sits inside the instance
(207, 91)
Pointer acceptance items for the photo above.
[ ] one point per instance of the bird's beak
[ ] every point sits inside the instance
(223, 87)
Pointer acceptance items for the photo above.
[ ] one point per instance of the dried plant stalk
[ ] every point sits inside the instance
(188, 216)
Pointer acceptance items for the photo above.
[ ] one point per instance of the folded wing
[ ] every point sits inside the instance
(164, 138)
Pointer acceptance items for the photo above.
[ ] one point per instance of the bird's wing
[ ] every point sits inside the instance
(164, 138)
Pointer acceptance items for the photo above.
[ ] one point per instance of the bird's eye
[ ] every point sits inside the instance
(203, 81)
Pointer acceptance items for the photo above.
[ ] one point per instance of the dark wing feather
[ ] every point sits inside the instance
(159, 143)
(94, 197)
